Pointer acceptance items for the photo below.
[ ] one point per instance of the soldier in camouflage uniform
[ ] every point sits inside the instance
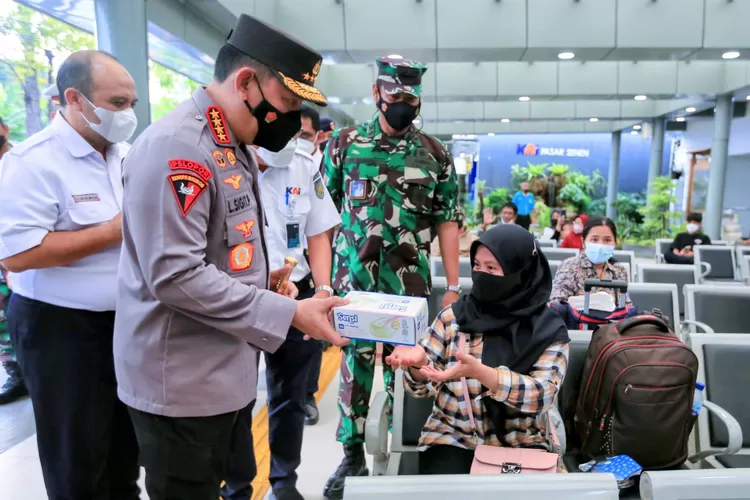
(395, 187)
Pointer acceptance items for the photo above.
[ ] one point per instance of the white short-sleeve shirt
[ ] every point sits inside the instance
(56, 181)
(295, 200)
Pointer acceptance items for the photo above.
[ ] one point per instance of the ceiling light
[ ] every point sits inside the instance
(633, 132)
(507, 120)
(491, 134)
(636, 127)
(565, 55)
(640, 97)
(395, 56)
(748, 98)
(334, 100)
(680, 119)
(732, 54)
(524, 98)
(593, 120)
(690, 110)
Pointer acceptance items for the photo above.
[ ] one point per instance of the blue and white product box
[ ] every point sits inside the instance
(391, 319)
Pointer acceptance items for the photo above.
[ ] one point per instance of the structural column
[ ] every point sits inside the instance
(657, 150)
(121, 30)
(613, 177)
(718, 171)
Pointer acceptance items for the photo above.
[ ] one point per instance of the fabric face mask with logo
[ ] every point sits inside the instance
(275, 128)
(279, 159)
(115, 126)
(693, 228)
(598, 253)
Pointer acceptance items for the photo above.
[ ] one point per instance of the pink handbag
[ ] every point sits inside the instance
(505, 460)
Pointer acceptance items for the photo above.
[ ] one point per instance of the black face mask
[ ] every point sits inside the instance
(489, 288)
(399, 115)
(275, 129)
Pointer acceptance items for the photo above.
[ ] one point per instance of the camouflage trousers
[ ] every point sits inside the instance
(6, 349)
(355, 388)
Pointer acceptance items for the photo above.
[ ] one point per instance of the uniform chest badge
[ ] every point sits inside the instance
(231, 158)
(187, 189)
(218, 125)
(234, 181)
(220, 159)
(241, 257)
(318, 184)
(86, 198)
(358, 189)
(246, 228)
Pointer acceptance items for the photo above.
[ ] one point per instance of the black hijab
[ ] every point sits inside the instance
(520, 327)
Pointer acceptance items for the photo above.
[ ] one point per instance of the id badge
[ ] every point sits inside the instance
(292, 235)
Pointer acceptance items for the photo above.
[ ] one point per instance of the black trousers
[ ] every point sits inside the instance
(671, 258)
(186, 458)
(287, 375)
(87, 447)
(524, 221)
(444, 459)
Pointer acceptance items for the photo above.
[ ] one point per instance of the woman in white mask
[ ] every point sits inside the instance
(596, 261)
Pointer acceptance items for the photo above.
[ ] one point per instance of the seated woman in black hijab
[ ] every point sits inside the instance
(514, 361)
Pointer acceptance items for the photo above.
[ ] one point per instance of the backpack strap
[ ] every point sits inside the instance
(643, 319)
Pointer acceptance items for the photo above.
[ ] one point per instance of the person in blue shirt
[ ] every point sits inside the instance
(524, 200)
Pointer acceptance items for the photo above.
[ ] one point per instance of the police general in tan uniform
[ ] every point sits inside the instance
(194, 305)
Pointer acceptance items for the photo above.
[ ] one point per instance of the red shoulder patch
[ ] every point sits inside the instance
(187, 189)
(193, 166)
(218, 125)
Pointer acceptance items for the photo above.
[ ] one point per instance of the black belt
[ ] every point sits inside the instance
(305, 284)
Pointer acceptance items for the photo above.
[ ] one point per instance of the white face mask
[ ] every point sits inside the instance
(115, 126)
(577, 228)
(693, 228)
(306, 146)
(282, 159)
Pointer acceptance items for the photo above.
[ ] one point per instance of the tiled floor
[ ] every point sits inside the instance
(21, 475)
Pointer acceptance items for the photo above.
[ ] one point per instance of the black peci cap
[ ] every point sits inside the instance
(295, 64)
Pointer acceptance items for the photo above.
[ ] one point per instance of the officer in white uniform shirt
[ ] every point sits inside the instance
(297, 206)
(60, 235)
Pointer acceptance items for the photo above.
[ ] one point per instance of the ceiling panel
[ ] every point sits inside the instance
(581, 54)
(598, 109)
(519, 79)
(500, 110)
(410, 26)
(726, 24)
(579, 78)
(460, 111)
(662, 23)
(488, 24)
(647, 77)
(552, 109)
(478, 79)
(566, 24)
(293, 16)
(698, 77)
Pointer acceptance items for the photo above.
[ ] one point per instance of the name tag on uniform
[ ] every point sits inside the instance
(358, 189)
(292, 235)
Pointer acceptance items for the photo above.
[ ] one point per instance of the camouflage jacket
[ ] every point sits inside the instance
(391, 192)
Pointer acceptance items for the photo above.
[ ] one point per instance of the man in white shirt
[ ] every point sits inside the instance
(297, 207)
(60, 236)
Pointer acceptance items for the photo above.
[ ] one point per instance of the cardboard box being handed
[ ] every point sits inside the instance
(391, 319)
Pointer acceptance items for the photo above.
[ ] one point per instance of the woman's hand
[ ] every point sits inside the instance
(404, 357)
(468, 366)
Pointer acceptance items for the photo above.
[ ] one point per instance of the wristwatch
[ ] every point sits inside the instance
(325, 288)
(453, 288)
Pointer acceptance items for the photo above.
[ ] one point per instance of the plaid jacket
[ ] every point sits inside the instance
(527, 396)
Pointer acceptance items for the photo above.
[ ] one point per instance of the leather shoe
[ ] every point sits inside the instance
(286, 493)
